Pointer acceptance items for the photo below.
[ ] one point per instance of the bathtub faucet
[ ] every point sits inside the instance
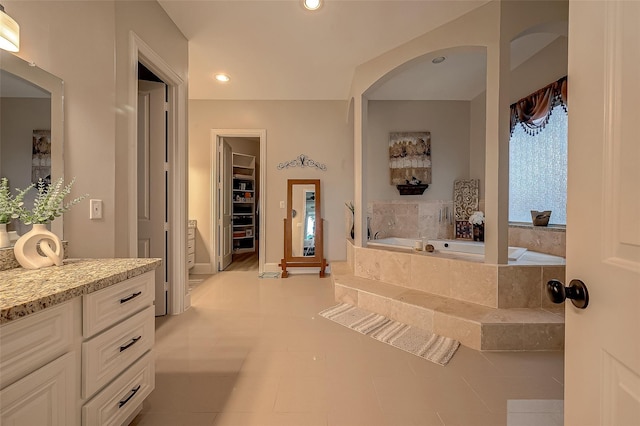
(375, 236)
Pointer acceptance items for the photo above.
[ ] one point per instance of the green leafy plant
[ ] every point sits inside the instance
(350, 206)
(49, 202)
(10, 206)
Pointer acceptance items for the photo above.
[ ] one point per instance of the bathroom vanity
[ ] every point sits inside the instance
(76, 342)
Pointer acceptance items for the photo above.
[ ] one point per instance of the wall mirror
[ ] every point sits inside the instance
(303, 226)
(31, 102)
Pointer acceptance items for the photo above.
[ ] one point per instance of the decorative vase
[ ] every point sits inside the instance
(478, 232)
(540, 218)
(5, 241)
(26, 248)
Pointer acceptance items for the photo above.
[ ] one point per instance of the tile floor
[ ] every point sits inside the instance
(254, 351)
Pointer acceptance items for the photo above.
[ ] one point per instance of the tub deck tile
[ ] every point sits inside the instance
(477, 326)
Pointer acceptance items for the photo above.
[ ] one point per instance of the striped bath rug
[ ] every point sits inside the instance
(419, 342)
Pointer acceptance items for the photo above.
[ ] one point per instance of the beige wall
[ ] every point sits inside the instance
(318, 129)
(83, 43)
(448, 122)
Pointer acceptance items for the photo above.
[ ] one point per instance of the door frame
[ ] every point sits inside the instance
(216, 137)
(178, 297)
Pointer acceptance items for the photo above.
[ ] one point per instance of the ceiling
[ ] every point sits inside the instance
(277, 50)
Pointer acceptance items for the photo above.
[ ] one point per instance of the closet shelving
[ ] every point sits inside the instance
(244, 203)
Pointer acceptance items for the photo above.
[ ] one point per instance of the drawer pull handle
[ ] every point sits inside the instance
(133, 391)
(131, 343)
(133, 296)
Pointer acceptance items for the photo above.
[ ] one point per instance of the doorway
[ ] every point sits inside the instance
(238, 200)
(178, 298)
(152, 178)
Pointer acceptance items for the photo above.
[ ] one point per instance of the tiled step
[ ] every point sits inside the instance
(476, 326)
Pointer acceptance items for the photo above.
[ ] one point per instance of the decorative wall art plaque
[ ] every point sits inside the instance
(410, 161)
(465, 202)
(302, 161)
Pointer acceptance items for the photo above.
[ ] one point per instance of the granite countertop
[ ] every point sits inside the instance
(24, 291)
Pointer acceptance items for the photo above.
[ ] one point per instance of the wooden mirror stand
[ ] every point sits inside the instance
(303, 230)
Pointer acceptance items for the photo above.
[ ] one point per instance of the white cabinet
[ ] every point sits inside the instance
(244, 203)
(86, 361)
(45, 397)
(117, 361)
(191, 244)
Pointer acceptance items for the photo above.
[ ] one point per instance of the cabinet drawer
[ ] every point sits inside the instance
(29, 343)
(45, 397)
(191, 246)
(191, 260)
(109, 353)
(112, 304)
(115, 403)
(191, 233)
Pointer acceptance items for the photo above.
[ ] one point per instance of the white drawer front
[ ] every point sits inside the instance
(191, 232)
(109, 353)
(112, 304)
(120, 399)
(45, 397)
(191, 260)
(191, 246)
(29, 343)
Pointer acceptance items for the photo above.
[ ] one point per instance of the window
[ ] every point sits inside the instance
(538, 170)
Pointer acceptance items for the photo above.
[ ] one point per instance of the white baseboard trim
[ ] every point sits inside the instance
(203, 268)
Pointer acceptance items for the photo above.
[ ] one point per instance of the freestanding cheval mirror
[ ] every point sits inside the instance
(303, 226)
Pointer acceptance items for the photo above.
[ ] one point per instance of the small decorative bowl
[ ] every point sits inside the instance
(540, 218)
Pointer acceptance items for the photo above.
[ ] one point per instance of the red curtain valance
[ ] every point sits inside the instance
(533, 111)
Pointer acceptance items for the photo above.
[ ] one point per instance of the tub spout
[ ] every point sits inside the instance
(375, 236)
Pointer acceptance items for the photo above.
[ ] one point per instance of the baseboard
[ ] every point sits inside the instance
(202, 268)
(272, 267)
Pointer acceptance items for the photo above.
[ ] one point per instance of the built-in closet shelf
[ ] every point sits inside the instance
(243, 202)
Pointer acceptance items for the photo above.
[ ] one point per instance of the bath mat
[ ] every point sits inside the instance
(432, 347)
(269, 275)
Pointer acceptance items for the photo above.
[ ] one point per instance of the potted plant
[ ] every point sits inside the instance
(477, 220)
(48, 205)
(352, 210)
(10, 208)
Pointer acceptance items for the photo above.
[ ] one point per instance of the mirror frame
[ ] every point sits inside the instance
(289, 247)
(54, 85)
(317, 260)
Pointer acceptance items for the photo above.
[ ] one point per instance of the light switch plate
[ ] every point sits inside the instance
(95, 211)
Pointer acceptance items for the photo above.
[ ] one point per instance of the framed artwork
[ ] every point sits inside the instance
(41, 156)
(410, 158)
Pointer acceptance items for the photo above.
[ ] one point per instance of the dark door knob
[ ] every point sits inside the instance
(577, 292)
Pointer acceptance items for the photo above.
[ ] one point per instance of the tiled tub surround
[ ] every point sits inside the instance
(543, 239)
(428, 220)
(411, 219)
(24, 291)
(486, 307)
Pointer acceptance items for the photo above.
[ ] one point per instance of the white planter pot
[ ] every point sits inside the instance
(5, 241)
(26, 248)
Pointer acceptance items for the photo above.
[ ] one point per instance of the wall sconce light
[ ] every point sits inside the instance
(9, 32)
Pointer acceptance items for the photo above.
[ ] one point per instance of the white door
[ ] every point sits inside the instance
(602, 355)
(225, 233)
(152, 182)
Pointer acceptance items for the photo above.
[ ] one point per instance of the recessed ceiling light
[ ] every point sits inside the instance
(438, 60)
(312, 4)
(222, 78)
